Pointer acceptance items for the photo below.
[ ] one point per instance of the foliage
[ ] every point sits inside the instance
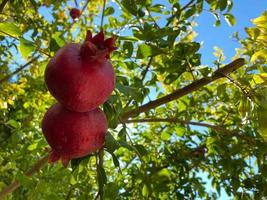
(164, 159)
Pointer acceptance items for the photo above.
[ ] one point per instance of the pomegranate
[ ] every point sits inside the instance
(80, 76)
(75, 13)
(73, 134)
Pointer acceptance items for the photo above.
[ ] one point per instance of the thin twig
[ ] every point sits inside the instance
(146, 69)
(185, 90)
(103, 14)
(175, 120)
(13, 186)
(76, 3)
(84, 7)
(18, 70)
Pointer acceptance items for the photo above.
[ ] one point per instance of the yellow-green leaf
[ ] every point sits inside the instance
(9, 29)
(261, 21)
(26, 47)
(260, 55)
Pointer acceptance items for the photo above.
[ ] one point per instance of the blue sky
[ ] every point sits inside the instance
(244, 11)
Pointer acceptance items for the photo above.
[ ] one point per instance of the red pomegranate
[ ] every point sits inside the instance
(80, 76)
(75, 13)
(73, 134)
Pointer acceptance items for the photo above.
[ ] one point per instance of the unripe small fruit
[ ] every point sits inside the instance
(73, 134)
(75, 13)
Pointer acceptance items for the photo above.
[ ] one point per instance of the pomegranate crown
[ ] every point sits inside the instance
(97, 47)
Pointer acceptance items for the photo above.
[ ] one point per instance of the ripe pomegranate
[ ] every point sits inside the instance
(80, 76)
(75, 13)
(73, 134)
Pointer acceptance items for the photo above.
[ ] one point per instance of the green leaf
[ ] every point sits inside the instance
(72, 180)
(156, 8)
(110, 143)
(218, 20)
(230, 19)
(259, 55)
(115, 160)
(261, 21)
(165, 135)
(223, 4)
(129, 91)
(128, 49)
(14, 123)
(32, 146)
(260, 78)
(10, 29)
(53, 45)
(145, 51)
(56, 42)
(145, 191)
(141, 149)
(190, 12)
(111, 191)
(130, 5)
(23, 179)
(26, 47)
(109, 11)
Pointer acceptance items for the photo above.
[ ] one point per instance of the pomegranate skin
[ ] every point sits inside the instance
(78, 84)
(73, 134)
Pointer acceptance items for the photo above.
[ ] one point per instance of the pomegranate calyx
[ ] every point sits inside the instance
(97, 48)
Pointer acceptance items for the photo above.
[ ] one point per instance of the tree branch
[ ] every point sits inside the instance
(18, 70)
(146, 69)
(175, 120)
(103, 14)
(13, 186)
(2, 5)
(220, 73)
(99, 166)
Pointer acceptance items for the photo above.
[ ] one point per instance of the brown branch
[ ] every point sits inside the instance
(2, 5)
(175, 120)
(220, 73)
(146, 69)
(99, 165)
(18, 70)
(13, 186)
